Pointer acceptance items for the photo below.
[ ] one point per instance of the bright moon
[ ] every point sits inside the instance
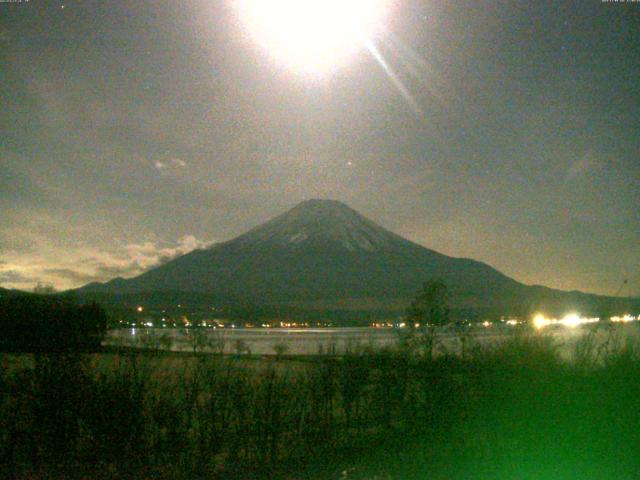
(312, 36)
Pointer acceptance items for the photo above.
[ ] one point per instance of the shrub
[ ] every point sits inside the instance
(50, 324)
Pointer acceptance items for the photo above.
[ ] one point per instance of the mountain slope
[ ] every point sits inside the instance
(323, 253)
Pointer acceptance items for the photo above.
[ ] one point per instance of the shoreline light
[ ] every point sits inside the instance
(571, 320)
(625, 318)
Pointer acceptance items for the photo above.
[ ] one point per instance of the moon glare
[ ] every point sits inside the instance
(312, 36)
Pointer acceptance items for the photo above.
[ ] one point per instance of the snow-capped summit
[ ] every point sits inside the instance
(321, 222)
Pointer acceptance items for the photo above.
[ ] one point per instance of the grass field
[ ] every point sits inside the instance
(514, 411)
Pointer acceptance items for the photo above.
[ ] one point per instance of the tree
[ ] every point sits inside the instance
(430, 307)
(240, 346)
(44, 289)
(197, 337)
(428, 310)
(280, 349)
(46, 323)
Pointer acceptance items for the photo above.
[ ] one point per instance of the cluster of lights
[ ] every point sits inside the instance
(571, 320)
(574, 320)
(293, 324)
(382, 325)
(625, 319)
(540, 321)
(487, 323)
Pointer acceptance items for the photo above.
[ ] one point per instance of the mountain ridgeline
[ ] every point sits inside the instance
(323, 255)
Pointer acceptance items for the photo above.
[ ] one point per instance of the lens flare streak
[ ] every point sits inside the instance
(404, 91)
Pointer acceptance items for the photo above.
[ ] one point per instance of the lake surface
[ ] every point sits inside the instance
(314, 341)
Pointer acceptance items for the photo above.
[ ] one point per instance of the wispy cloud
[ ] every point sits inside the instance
(69, 274)
(86, 265)
(12, 277)
(587, 164)
(169, 164)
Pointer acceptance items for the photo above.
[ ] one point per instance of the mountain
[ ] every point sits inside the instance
(322, 254)
(4, 292)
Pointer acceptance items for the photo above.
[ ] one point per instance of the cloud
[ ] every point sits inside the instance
(171, 164)
(9, 277)
(585, 165)
(19, 186)
(105, 270)
(76, 268)
(135, 258)
(70, 274)
(150, 254)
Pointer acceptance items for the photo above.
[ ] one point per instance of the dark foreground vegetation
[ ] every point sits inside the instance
(514, 412)
(47, 323)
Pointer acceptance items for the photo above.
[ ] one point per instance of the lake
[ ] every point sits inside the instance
(336, 341)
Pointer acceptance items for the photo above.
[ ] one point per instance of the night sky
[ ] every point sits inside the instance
(508, 132)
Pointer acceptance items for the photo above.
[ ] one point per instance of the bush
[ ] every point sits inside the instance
(50, 324)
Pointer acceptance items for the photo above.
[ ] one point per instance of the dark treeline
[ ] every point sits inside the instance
(39, 323)
(516, 411)
(199, 306)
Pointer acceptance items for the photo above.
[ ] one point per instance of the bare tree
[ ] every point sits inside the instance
(428, 311)
(217, 340)
(280, 349)
(44, 288)
(240, 347)
(196, 338)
